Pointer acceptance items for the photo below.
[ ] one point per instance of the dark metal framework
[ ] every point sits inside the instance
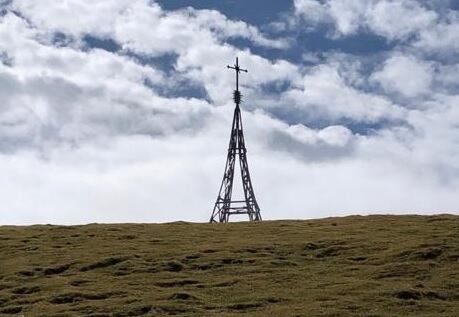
(225, 206)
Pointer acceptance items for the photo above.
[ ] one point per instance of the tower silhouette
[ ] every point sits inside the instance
(225, 206)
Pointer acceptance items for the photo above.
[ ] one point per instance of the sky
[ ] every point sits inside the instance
(120, 110)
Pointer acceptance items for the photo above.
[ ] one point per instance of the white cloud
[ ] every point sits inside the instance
(143, 179)
(311, 10)
(83, 138)
(130, 22)
(65, 94)
(194, 36)
(410, 23)
(399, 19)
(386, 18)
(225, 28)
(443, 38)
(347, 15)
(75, 17)
(325, 94)
(406, 75)
(335, 135)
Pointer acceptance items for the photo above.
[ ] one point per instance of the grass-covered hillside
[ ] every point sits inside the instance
(353, 266)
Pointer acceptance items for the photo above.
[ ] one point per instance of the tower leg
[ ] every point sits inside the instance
(225, 206)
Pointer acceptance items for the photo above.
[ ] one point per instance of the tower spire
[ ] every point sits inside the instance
(225, 206)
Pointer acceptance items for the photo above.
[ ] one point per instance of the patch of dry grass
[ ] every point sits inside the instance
(352, 266)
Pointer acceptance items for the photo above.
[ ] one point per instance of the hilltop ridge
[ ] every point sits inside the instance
(352, 266)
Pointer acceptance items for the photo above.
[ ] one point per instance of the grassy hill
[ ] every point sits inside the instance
(352, 266)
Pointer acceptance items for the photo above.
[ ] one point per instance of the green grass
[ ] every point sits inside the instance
(352, 266)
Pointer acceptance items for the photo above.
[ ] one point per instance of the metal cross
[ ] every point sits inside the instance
(238, 70)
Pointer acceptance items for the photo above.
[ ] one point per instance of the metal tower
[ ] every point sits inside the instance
(224, 206)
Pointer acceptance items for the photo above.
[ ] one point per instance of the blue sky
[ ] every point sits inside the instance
(119, 111)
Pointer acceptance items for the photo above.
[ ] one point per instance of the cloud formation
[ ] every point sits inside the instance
(406, 75)
(136, 127)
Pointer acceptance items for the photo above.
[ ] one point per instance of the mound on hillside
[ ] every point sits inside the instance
(352, 266)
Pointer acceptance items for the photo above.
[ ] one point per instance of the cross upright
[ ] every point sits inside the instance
(238, 70)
